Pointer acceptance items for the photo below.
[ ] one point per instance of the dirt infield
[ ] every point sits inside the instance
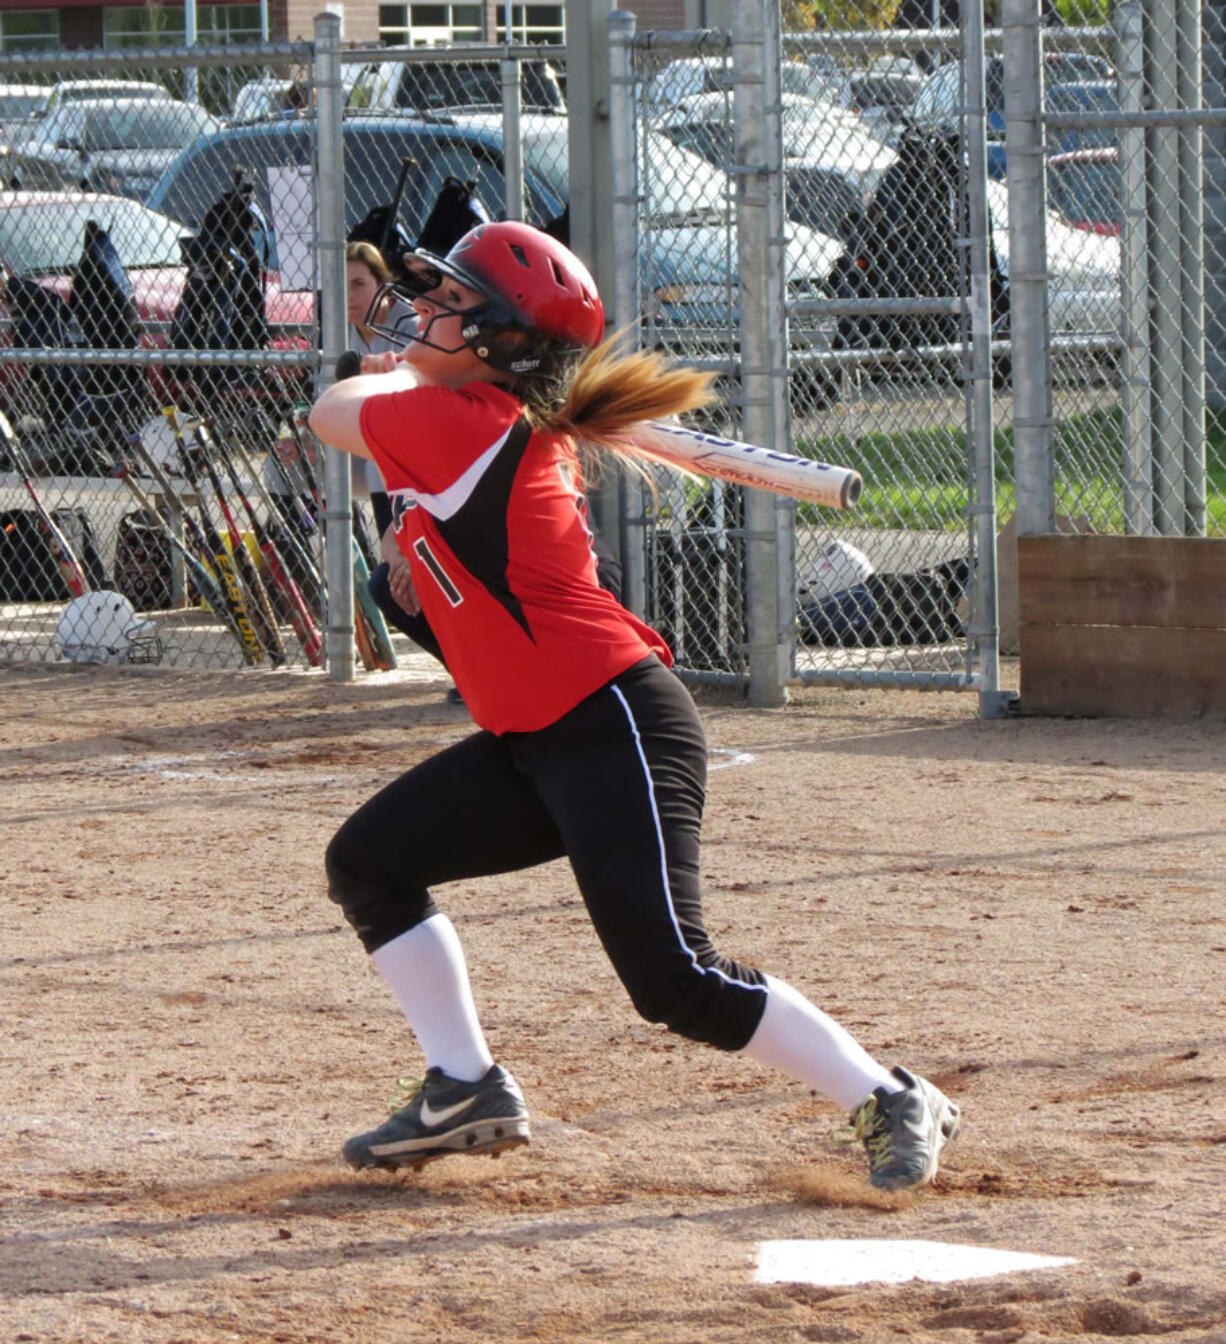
(1029, 912)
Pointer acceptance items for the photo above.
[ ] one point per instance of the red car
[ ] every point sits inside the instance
(1083, 188)
(41, 240)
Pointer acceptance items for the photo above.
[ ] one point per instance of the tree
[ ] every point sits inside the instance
(800, 16)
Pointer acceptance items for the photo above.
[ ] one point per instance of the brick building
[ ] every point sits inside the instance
(27, 25)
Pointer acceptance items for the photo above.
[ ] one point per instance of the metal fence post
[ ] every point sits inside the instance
(985, 626)
(623, 291)
(590, 208)
(1028, 318)
(333, 330)
(512, 136)
(1136, 393)
(758, 156)
(1189, 75)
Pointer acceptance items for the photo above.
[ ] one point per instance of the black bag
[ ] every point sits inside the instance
(42, 320)
(103, 303)
(392, 240)
(29, 571)
(917, 607)
(222, 307)
(456, 210)
(143, 562)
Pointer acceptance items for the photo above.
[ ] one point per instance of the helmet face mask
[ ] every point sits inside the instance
(103, 627)
(538, 299)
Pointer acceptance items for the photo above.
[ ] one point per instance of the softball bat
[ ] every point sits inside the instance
(747, 464)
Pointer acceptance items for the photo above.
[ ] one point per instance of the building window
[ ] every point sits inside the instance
(162, 26)
(30, 30)
(533, 23)
(428, 25)
(220, 24)
(216, 25)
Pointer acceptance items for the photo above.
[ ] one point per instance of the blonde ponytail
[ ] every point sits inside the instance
(600, 402)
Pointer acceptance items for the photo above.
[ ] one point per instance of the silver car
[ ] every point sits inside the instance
(114, 145)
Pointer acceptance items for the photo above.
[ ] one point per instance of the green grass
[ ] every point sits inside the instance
(917, 480)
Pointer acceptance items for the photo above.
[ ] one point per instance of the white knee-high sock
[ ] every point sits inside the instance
(801, 1040)
(425, 970)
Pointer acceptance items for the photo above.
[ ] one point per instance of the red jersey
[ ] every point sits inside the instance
(493, 520)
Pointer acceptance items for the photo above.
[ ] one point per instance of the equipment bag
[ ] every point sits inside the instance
(28, 569)
(456, 210)
(923, 606)
(143, 562)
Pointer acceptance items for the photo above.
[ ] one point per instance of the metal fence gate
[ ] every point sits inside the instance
(835, 271)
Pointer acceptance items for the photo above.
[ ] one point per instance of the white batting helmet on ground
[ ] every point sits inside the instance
(103, 627)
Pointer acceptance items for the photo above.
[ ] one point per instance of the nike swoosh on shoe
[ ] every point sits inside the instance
(431, 1117)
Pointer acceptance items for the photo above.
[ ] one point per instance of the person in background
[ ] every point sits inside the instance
(588, 746)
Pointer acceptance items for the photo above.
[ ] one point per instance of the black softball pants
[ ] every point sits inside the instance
(617, 786)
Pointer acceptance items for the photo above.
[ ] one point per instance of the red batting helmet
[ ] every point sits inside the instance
(532, 285)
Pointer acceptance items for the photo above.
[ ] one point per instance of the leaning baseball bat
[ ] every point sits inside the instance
(219, 559)
(747, 464)
(281, 585)
(260, 609)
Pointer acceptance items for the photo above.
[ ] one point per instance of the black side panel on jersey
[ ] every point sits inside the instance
(477, 532)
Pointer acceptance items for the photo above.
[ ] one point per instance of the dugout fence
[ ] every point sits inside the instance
(897, 286)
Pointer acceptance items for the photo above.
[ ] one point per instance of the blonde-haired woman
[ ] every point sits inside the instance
(589, 747)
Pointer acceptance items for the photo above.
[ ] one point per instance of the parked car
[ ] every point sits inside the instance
(882, 99)
(21, 105)
(115, 145)
(691, 76)
(1085, 189)
(74, 90)
(436, 86)
(271, 97)
(1076, 98)
(832, 164)
(375, 149)
(940, 100)
(260, 99)
(908, 246)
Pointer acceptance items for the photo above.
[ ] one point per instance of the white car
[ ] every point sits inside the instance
(831, 162)
(75, 90)
(908, 245)
(1083, 269)
(20, 107)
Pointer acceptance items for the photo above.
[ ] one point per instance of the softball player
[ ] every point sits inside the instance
(588, 746)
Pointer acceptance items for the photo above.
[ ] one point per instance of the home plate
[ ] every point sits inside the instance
(833, 1264)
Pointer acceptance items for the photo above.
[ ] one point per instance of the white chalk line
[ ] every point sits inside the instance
(722, 758)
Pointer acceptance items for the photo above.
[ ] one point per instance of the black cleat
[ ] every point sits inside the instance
(904, 1132)
(443, 1117)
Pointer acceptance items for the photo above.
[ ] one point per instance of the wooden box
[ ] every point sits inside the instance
(1122, 625)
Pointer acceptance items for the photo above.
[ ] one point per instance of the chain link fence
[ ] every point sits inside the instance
(983, 269)
(160, 493)
(1122, 433)
(867, 366)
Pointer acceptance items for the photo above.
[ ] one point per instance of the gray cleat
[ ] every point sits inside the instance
(445, 1116)
(904, 1132)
